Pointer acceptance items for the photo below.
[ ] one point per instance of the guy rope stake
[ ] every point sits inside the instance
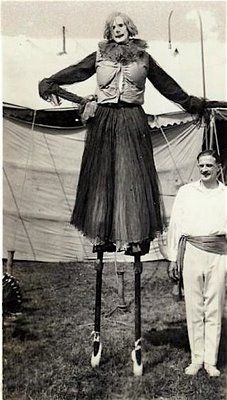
(97, 345)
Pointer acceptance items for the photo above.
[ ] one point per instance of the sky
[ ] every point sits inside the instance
(32, 41)
(86, 18)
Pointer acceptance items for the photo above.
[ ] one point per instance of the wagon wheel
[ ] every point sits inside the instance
(11, 294)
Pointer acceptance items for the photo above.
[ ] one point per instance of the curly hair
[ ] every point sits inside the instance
(131, 27)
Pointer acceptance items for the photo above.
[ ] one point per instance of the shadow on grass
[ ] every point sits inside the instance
(176, 337)
(18, 327)
(222, 354)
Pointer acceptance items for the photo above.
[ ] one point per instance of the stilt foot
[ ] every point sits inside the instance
(97, 350)
(137, 359)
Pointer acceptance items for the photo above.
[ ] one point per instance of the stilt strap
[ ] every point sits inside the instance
(137, 359)
(138, 344)
(138, 267)
(96, 336)
(97, 350)
(98, 265)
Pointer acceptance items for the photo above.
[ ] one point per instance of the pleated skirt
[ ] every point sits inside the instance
(117, 199)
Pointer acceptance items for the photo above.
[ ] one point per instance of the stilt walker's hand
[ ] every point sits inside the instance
(173, 271)
(54, 100)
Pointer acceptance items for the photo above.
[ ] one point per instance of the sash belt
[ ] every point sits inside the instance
(212, 244)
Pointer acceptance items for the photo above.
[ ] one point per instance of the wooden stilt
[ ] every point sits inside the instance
(137, 353)
(9, 264)
(97, 346)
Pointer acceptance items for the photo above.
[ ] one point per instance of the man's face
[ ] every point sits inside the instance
(119, 31)
(208, 168)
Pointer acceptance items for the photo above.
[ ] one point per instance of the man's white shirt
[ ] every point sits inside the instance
(197, 211)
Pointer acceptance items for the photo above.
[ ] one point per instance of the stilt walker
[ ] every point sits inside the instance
(118, 198)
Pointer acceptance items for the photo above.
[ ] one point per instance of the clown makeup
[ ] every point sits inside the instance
(119, 31)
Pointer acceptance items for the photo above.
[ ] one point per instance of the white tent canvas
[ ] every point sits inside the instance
(28, 60)
(41, 167)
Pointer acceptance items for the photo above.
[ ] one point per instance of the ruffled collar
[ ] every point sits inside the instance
(122, 53)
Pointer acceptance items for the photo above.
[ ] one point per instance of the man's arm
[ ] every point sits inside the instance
(174, 234)
(175, 225)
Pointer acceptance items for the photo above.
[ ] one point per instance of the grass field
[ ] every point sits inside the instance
(47, 348)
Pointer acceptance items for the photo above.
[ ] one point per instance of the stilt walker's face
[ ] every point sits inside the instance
(208, 168)
(119, 31)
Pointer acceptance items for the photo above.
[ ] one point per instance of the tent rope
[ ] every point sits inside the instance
(18, 204)
(62, 188)
(57, 173)
(195, 163)
(19, 214)
(170, 152)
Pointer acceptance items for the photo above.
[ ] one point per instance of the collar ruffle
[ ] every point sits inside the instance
(122, 53)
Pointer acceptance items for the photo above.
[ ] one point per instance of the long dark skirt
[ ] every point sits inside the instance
(117, 196)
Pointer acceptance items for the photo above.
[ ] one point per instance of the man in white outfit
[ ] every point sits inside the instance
(197, 244)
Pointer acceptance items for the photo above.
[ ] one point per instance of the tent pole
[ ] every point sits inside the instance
(202, 56)
(206, 137)
(211, 131)
(9, 264)
(201, 43)
(217, 145)
(169, 29)
(64, 47)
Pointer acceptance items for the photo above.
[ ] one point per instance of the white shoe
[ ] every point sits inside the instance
(137, 368)
(95, 359)
(193, 369)
(211, 370)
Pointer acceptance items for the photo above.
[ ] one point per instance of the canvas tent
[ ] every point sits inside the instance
(42, 156)
(43, 149)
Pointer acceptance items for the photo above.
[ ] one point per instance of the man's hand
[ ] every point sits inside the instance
(173, 271)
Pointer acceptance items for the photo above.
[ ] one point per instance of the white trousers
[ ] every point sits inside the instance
(204, 290)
